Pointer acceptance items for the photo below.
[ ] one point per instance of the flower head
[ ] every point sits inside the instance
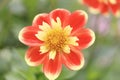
(55, 39)
(103, 6)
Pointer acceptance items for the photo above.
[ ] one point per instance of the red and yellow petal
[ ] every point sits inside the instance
(77, 20)
(104, 8)
(114, 8)
(86, 38)
(52, 67)
(92, 3)
(27, 36)
(118, 1)
(74, 60)
(63, 14)
(40, 18)
(33, 56)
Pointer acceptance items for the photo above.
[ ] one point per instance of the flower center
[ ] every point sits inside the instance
(56, 39)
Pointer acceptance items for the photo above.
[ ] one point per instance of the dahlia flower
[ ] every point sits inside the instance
(56, 39)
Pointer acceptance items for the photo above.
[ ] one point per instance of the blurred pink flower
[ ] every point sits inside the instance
(100, 24)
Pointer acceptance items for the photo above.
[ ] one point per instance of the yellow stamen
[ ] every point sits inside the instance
(41, 35)
(43, 49)
(72, 40)
(67, 30)
(52, 55)
(66, 49)
(56, 39)
(45, 27)
(56, 24)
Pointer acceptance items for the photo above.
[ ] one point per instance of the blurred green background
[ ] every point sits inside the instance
(102, 58)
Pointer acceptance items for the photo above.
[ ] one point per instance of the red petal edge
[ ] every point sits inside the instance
(63, 14)
(74, 60)
(92, 3)
(86, 38)
(27, 36)
(77, 20)
(52, 68)
(40, 18)
(33, 56)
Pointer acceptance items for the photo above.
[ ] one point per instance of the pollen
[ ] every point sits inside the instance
(56, 39)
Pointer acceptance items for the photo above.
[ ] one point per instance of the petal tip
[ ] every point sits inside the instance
(83, 13)
(93, 10)
(39, 18)
(79, 66)
(20, 37)
(117, 14)
(27, 36)
(93, 37)
(29, 62)
(51, 77)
